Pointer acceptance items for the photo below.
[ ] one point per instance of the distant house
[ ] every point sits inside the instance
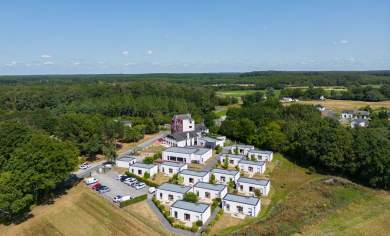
(140, 169)
(252, 167)
(189, 212)
(359, 122)
(209, 142)
(350, 114)
(286, 99)
(169, 168)
(248, 185)
(127, 123)
(232, 159)
(187, 154)
(362, 115)
(207, 192)
(182, 123)
(180, 139)
(125, 161)
(191, 177)
(169, 193)
(235, 204)
(225, 176)
(240, 149)
(261, 155)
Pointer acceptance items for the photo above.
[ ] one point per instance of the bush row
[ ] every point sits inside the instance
(134, 200)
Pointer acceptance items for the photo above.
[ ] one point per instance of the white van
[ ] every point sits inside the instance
(90, 180)
(120, 198)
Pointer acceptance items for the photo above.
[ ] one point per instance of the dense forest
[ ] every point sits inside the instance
(299, 131)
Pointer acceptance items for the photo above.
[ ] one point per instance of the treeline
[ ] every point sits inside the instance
(32, 165)
(360, 93)
(299, 131)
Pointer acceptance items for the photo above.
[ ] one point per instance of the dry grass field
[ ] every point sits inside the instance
(339, 105)
(83, 212)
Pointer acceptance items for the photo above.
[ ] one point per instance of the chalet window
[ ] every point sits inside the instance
(187, 217)
(132, 171)
(163, 170)
(250, 168)
(161, 195)
(170, 197)
(175, 213)
(170, 170)
(231, 161)
(228, 207)
(223, 179)
(240, 209)
(140, 172)
(207, 194)
(251, 189)
(241, 187)
(191, 180)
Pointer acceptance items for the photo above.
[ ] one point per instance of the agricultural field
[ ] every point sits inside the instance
(339, 105)
(83, 212)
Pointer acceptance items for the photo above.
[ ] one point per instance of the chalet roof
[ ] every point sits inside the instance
(262, 182)
(254, 163)
(264, 152)
(195, 207)
(194, 173)
(188, 150)
(224, 172)
(242, 199)
(173, 164)
(174, 188)
(215, 187)
(182, 135)
(143, 165)
(126, 158)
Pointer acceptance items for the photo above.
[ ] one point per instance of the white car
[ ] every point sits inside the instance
(120, 198)
(140, 185)
(90, 180)
(152, 190)
(85, 166)
(118, 177)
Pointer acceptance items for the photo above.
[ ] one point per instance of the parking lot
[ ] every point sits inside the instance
(116, 186)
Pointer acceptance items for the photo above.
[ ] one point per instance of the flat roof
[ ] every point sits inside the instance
(215, 187)
(194, 173)
(174, 188)
(255, 163)
(126, 158)
(262, 182)
(188, 150)
(225, 172)
(195, 207)
(242, 199)
(234, 156)
(142, 165)
(260, 151)
(173, 164)
(244, 146)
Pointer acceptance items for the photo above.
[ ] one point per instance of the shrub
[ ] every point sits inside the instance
(146, 175)
(194, 227)
(212, 179)
(190, 197)
(134, 200)
(171, 219)
(199, 223)
(257, 192)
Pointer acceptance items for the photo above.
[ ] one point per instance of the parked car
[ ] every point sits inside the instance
(85, 166)
(120, 198)
(119, 177)
(104, 189)
(140, 185)
(124, 178)
(98, 188)
(152, 190)
(90, 180)
(96, 185)
(130, 182)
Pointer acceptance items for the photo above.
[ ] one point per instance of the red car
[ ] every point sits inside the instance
(96, 185)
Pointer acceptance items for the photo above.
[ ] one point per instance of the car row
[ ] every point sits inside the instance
(95, 185)
(85, 166)
(130, 181)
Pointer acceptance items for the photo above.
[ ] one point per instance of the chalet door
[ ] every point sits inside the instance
(187, 217)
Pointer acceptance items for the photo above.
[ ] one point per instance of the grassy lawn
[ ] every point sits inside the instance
(160, 178)
(339, 105)
(82, 212)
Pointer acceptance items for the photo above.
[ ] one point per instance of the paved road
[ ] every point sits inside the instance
(117, 187)
(85, 173)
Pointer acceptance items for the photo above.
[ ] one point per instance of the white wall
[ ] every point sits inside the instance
(203, 158)
(194, 216)
(245, 189)
(188, 125)
(163, 196)
(165, 169)
(196, 179)
(230, 160)
(124, 164)
(227, 178)
(152, 171)
(201, 192)
(249, 210)
(261, 157)
(255, 168)
(188, 157)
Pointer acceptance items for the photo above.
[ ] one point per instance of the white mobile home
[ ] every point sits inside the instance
(207, 192)
(189, 212)
(261, 155)
(252, 167)
(247, 186)
(209, 142)
(125, 161)
(187, 154)
(192, 177)
(140, 169)
(170, 168)
(241, 149)
(232, 159)
(169, 193)
(225, 176)
(242, 205)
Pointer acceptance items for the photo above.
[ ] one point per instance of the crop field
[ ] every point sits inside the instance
(339, 105)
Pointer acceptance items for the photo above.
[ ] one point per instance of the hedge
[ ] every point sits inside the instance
(134, 200)
(212, 223)
(146, 181)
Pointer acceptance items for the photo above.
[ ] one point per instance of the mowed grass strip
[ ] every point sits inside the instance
(81, 212)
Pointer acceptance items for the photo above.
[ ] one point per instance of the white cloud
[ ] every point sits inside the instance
(12, 63)
(76, 63)
(48, 63)
(130, 64)
(343, 41)
(125, 53)
(149, 52)
(45, 56)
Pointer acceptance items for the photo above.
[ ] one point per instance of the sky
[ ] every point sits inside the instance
(125, 36)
